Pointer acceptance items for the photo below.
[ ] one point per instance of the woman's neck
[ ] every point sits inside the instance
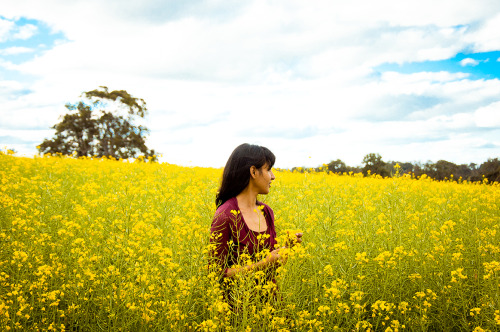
(247, 199)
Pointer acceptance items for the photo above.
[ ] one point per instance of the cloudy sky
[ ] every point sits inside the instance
(312, 80)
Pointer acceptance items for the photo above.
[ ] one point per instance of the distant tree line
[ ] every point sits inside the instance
(440, 170)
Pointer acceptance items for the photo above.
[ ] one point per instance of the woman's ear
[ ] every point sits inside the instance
(253, 171)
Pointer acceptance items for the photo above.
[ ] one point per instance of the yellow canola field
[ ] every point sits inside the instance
(102, 245)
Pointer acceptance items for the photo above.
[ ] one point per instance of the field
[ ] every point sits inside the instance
(102, 245)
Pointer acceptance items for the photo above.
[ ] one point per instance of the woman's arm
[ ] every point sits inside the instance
(220, 237)
(272, 258)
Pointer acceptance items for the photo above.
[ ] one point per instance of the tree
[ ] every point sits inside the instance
(444, 169)
(337, 166)
(491, 170)
(91, 130)
(373, 162)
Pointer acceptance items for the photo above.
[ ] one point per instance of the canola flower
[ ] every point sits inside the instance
(98, 244)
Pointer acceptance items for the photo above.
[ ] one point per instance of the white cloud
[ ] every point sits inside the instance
(486, 36)
(9, 86)
(488, 116)
(16, 50)
(10, 31)
(469, 62)
(306, 41)
(300, 78)
(5, 28)
(405, 80)
(7, 65)
(25, 31)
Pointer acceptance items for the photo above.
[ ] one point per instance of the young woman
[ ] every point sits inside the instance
(241, 223)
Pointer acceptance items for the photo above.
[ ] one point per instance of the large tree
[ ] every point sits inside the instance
(104, 127)
(374, 164)
(490, 169)
(337, 166)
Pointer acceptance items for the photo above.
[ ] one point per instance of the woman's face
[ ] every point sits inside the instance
(264, 177)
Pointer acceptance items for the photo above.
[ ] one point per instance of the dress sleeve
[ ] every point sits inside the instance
(272, 230)
(271, 214)
(220, 237)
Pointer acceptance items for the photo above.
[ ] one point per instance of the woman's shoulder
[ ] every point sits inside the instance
(267, 208)
(224, 210)
(230, 204)
(264, 205)
(225, 215)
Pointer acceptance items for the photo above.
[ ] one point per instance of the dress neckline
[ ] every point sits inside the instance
(245, 223)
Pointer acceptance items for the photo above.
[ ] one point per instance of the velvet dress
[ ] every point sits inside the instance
(232, 237)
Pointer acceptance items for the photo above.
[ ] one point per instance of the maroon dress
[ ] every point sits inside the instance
(232, 237)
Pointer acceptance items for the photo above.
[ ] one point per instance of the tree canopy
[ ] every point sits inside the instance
(337, 166)
(105, 127)
(374, 165)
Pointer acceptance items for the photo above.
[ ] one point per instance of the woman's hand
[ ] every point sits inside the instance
(298, 237)
(273, 256)
(293, 239)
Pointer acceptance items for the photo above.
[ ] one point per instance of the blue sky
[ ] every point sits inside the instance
(37, 39)
(315, 82)
(483, 65)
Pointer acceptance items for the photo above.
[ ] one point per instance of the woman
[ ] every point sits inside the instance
(241, 223)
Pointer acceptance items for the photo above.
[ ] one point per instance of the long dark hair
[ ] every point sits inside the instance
(236, 175)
